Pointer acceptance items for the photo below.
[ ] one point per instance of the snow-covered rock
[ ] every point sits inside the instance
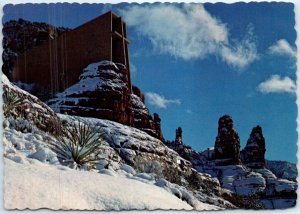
(29, 151)
(245, 182)
(104, 91)
(283, 169)
(29, 114)
(128, 169)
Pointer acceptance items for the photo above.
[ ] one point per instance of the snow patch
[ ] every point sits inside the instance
(49, 187)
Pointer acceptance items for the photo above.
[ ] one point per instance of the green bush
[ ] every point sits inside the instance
(10, 101)
(172, 175)
(80, 148)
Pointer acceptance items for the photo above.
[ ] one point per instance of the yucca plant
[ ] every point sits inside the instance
(10, 101)
(80, 147)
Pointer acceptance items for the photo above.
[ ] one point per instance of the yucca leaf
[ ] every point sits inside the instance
(81, 145)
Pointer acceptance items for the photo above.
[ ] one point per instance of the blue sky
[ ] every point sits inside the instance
(198, 62)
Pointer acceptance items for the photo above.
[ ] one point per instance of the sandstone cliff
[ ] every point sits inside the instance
(103, 92)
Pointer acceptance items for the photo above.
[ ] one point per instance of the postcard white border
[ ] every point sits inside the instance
(297, 27)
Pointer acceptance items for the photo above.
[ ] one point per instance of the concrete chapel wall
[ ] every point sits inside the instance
(58, 63)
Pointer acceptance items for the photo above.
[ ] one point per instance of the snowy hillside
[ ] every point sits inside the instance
(58, 187)
(26, 154)
(112, 184)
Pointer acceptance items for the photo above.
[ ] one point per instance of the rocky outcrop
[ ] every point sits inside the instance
(138, 93)
(142, 118)
(185, 151)
(258, 186)
(253, 155)
(21, 35)
(261, 187)
(178, 137)
(227, 144)
(103, 91)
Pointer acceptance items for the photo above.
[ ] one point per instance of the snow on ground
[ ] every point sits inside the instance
(38, 185)
(34, 178)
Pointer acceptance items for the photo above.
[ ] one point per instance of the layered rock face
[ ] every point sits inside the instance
(103, 91)
(227, 144)
(253, 155)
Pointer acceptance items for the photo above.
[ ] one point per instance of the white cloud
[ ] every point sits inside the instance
(282, 47)
(242, 53)
(276, 84)
(189, 33)
(160, 101)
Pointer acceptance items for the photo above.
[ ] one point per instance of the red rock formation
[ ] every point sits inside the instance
(227, 145)
(178, 138)
(103, 91)
(253, 155)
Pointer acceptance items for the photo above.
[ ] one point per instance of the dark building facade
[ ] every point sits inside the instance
(57, 63)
